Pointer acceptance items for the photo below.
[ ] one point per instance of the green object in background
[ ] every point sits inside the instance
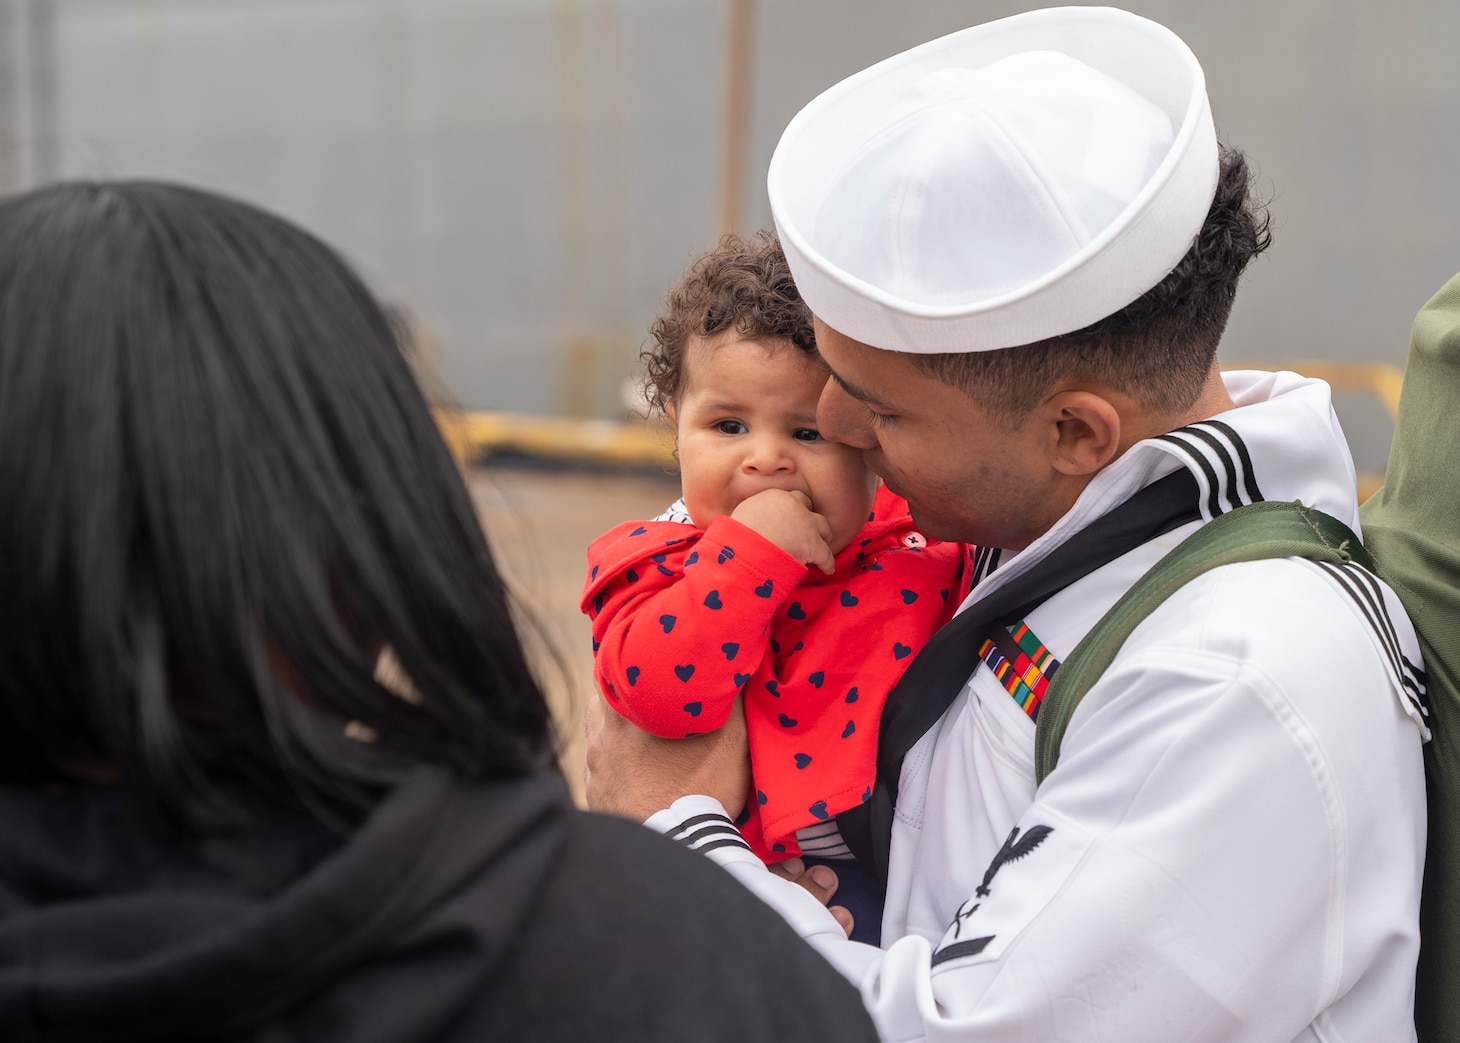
(1412, 526)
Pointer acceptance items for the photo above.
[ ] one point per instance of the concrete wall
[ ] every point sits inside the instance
(527, 176)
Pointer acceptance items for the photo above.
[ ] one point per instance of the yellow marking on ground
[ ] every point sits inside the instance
(476, 436)
(1382, 379)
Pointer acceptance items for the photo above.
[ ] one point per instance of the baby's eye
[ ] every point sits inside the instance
(730, 427)
(806, 434)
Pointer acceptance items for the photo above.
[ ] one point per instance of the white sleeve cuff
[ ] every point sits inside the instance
(701, 824)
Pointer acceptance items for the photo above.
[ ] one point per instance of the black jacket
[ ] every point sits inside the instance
(457, 911)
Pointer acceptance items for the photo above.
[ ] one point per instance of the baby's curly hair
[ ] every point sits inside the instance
(743, 284)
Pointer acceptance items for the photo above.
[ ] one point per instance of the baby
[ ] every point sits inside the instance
(784, 573)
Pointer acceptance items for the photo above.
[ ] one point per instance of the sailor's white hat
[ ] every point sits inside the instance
(1004, 184)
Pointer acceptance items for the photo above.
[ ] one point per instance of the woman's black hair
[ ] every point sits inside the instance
(222, 498)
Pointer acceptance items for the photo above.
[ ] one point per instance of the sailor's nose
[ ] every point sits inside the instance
(841, 418)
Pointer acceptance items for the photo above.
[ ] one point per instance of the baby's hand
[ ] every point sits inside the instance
(786, 519)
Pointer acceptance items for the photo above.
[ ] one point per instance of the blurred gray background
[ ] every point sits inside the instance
(526, 177)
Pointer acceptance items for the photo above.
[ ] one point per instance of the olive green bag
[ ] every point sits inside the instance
(1270, 529)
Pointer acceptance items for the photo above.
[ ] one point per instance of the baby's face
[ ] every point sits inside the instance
(745, 420)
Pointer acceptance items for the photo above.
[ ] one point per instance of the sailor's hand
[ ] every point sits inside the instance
(821, 881)
(634, 774)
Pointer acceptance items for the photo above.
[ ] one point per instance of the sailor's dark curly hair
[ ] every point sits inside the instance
(744, 285)
(1160, 347)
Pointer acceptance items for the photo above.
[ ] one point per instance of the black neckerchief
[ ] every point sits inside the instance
(942, 668)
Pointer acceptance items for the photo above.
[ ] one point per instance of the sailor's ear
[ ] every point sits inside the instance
(1083, 431)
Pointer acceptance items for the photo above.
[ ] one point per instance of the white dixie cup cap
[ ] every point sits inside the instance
(1004, 184)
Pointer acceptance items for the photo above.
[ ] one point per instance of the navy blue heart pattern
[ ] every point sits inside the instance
(740, 680)
(664, 571)
(774, 688)
(849, 729)
(694, 556)
(667, 622)
(639, 531)
(731, 649)
(684, 673)
(817, 678)
(596, 644)
(658, 558)
(597, 603)
(631, 576)
(760, 798)
(909, 596)
(786, 722)
(900, 650)
(764, 590)
(848, 598)
(944, 592)
(802, 759)
(852, 694)
(795, 611)
(693, 709)
(594, 573)
(633, 675)
(712, 600)
(818, 810)
(726, 553)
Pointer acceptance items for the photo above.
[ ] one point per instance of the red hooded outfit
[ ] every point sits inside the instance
(685, 619)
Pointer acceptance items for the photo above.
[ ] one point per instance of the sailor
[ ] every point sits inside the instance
(1021, 243)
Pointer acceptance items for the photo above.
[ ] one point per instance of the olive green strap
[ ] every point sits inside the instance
(1270, 529)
